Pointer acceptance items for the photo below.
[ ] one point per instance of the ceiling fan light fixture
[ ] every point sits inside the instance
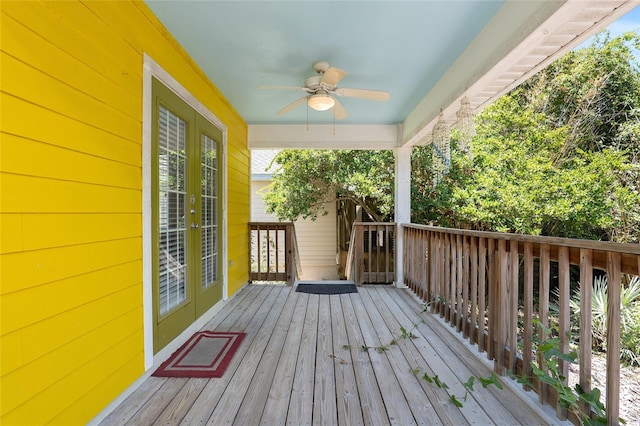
(321, 101)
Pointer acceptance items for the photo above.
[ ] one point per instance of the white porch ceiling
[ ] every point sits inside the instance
(426, 54)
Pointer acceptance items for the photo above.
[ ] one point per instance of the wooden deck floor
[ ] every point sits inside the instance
(302, 363)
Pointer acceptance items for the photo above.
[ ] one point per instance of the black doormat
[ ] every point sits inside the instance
(326, 288)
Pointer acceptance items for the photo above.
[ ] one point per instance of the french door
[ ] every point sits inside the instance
(186, 215)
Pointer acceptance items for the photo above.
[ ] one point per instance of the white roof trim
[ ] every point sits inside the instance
(324, 136)
(563, 26)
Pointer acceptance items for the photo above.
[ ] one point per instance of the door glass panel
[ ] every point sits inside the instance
(209, 202)
(172, 199)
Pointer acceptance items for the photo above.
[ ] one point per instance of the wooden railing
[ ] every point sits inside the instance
(371, 257)
(482, 283)
(273, 252)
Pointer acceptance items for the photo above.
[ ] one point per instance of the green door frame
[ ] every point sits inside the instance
(199, 296)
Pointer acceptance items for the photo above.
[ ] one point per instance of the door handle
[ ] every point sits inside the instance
(195, 226)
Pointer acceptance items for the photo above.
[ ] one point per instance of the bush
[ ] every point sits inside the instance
(630, 339)
(629, 316)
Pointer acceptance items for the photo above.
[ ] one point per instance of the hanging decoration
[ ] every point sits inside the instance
(441, 157)
(466, 125)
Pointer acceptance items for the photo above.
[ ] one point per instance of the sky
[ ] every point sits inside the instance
(628, 22)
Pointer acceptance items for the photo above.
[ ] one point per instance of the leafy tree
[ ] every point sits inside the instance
(594, 92)
(557, 156)
(307, 179)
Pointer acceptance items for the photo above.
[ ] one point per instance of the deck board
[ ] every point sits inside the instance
(302, 362)
(373, 408)
(301, 401)
(324, 394)
(503, 407)
(348, 408)
(277, 403)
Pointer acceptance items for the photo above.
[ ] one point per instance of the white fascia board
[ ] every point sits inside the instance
(513, 22)
(521, 39)
(324, 136)
(261, 177)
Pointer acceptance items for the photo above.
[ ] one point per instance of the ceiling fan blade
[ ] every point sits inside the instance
(292, 106)
(374, 95)
(281, 88)
(332, 76)
(338, 111)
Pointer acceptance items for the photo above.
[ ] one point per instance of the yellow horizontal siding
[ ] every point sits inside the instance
(54, 128)
(52, 94)
(91, 345)
(59, 196)
(71, 200)
(75, 38)
(239, 182)
(54, 230)
(26, 269)
(65, 394)
(31, 158)
(37, 51)
(11, 241)
(107, 389)
(239, 165)
(77, 293)
(34, 341)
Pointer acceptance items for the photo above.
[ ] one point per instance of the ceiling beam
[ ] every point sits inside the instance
(324, 136)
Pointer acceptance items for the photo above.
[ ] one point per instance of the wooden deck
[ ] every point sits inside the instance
(302, 363)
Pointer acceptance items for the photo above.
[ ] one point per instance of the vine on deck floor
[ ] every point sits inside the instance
(547, 372)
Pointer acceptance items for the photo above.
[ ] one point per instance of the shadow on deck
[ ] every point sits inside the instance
(303, 362)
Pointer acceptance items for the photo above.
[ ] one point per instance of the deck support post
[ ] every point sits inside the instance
(402, 201)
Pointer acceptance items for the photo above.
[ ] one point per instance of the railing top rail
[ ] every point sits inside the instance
(270, 223)
(375, 223)
(557, 241)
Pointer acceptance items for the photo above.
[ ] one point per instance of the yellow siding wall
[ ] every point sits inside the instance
(70, 201)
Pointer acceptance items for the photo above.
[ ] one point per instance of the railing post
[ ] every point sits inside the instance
(491, 305)
(528, 311)
(474, 290)
(359, 255)
(502, 322)
(513, 305)
(543, 313)
(586, 290)
(613, 338)
(563, 318)
(402, 202)
(482, 280)
(445, 271)
(290, 266)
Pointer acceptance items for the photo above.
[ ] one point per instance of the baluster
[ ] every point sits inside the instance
(614, 283)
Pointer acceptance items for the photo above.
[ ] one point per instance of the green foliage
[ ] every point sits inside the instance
(594, 92)
(630, 339)
(558, 156)
(468, 386)
(548, 372)
(306, 179)
(515, 183)
(629, 316)
(455, 401)
(408, 334)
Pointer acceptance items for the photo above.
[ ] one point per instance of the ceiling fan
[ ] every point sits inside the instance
(322, 90)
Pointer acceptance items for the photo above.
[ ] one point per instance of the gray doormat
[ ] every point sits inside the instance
(326, 288)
